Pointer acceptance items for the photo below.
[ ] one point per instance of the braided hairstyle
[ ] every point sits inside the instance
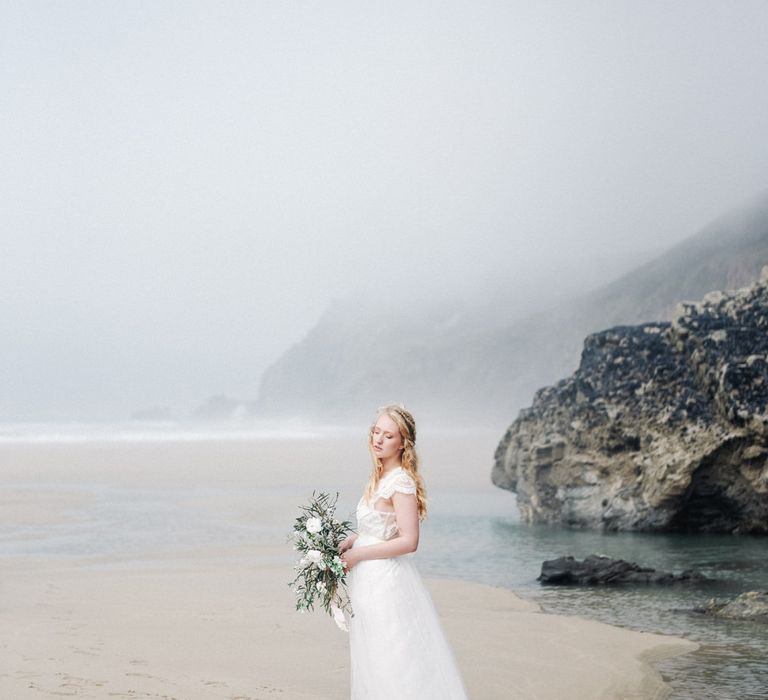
(409, 458)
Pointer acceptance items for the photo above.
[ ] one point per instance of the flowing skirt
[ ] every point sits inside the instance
(398, 650)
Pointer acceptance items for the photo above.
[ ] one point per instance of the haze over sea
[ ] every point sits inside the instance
(133, 494)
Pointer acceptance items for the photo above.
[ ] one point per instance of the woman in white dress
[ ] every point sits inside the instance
(398, 650)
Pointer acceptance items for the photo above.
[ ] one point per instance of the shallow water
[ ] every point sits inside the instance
(733, 659)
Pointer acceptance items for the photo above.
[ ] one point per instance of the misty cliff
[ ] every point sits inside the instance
(477, 364)
(664, 426)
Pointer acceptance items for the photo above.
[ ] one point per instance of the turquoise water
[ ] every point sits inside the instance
(477, 538)
(732, 661)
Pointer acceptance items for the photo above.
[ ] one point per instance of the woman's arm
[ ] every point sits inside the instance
(407, 514)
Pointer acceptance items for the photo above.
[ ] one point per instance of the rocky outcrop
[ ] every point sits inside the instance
(752, 605)
(600, 570)
(664, 426)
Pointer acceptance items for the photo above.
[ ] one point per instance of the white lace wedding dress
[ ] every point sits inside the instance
(398, 649)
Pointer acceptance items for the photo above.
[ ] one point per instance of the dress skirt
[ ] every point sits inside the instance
(398, 649)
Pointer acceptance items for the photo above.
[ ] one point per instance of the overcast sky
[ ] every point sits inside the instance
(186, 185)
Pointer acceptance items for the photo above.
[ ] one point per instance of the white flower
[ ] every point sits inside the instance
(314, 525)
(337, 559)
(320, 585)
(315, 556)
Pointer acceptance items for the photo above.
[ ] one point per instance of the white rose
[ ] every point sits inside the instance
(315, 556)
(314, 525)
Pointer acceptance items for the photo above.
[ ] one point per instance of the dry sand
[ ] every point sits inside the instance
(201, 628)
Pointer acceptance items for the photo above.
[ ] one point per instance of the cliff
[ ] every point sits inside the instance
(482, 362)
(663, 426)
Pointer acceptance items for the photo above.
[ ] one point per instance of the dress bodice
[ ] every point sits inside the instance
(379, 523)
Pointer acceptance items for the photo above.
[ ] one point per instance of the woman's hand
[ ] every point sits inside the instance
(346, 543)
(350, 558)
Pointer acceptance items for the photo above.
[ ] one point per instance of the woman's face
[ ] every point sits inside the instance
(385, 438)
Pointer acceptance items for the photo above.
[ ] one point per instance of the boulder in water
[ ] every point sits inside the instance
(752, 605)
(600, 570)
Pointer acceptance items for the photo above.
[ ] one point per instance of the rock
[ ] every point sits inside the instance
(752, 605)
(221, 408)
(676, 432)
(600, 570)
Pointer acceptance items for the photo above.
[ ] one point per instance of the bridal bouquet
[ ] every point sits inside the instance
(320, 574)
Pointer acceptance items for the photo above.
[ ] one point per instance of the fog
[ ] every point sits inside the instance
(187, 185)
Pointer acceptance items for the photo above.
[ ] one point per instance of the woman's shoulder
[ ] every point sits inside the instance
(397, 480)
(397, 474)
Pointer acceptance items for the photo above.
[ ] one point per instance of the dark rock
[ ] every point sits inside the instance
(664, 426)
(600, 570)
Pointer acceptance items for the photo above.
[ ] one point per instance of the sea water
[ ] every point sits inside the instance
(732, 661)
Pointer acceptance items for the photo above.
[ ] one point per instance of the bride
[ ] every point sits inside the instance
(398, 650)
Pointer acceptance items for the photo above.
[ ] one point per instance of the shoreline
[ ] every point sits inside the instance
(199, 627)
(627, 656)
(180, 604)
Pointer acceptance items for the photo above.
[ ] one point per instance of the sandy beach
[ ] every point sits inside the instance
(218, 621)
(196, 629)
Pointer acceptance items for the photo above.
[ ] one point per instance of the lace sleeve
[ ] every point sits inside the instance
(403, 483)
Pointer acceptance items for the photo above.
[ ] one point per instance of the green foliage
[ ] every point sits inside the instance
(320, 576)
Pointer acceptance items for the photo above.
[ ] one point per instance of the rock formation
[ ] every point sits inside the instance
(601, 570)
(752, 605)
(663, 426)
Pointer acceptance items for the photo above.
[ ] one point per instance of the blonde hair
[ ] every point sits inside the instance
(409, 459)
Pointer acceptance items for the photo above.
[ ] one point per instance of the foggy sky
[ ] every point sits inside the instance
(186, 185)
